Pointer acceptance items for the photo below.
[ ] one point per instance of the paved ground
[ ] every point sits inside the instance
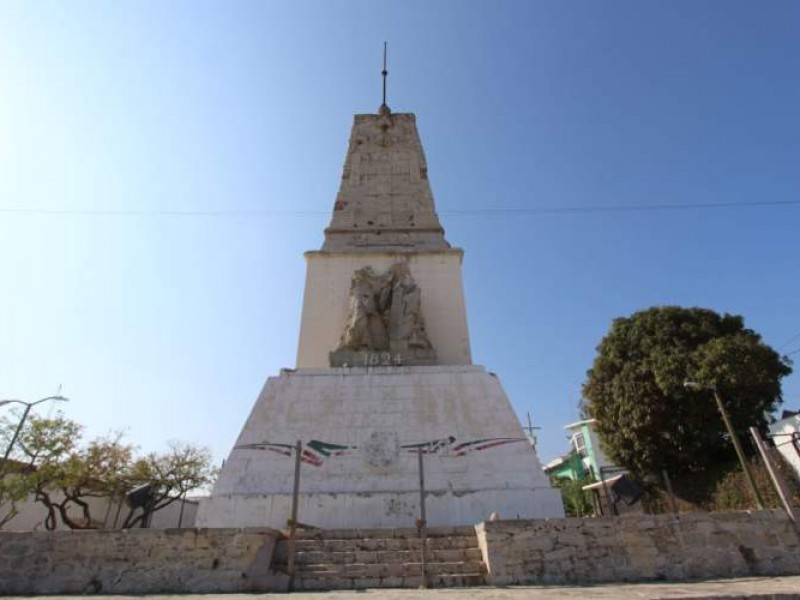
(777, 588)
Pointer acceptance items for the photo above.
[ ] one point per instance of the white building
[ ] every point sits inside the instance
(106, 513)
(786, 436)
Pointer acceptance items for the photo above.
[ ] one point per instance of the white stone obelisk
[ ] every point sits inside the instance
(384, 371)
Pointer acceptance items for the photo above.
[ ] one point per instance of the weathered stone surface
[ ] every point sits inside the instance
(327, 299)
(384, 218)
(556, 551)
(417, 357)
(384, 558)
(384, 200)
(361, 431)
(137, 561)
(640, 548)
(384, 317)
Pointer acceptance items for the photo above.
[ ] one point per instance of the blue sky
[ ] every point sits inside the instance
(167, 325)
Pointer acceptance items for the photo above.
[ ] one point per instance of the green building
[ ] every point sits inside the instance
(585, 457)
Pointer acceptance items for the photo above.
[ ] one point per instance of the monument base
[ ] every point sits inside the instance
(380, 509)
(361, 432)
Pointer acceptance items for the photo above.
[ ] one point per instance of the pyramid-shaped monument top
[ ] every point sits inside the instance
(384, 201)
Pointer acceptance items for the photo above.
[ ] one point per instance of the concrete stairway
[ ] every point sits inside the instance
(389, 558)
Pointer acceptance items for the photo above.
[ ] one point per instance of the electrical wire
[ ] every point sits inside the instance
(621, 208)
(790, 340)
(541, 210)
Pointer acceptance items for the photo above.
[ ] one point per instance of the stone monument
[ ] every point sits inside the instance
(384, 373)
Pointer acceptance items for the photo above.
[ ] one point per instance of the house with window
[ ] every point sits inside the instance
(611, 492)
(585, 457)
(585, 443)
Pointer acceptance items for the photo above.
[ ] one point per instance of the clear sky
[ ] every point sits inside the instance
(115, 114)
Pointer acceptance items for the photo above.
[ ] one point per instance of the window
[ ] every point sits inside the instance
(579, 444)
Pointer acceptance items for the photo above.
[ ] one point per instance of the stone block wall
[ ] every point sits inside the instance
(137, 561)
(640, 548)
(556, 551)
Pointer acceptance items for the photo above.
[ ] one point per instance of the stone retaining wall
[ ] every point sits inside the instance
(137, 561)
(640, 548)
(557, 551)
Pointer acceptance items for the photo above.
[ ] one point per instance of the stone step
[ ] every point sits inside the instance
(377, 544)
(384, 556)
(373, 570)
(398, 532)
(360, 583)
(390, 558)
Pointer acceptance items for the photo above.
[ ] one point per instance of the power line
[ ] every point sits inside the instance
(790, 340)
(541, 210)
(620, 208)
(159, 213)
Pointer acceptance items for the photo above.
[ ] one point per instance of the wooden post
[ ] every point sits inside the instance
(423, 523)
(180, 514)
(777, 480)
(108, 510)
(671, 493)
(298, 457)
(607, 493)
(739, 452)
(596, 503)
(119, 510)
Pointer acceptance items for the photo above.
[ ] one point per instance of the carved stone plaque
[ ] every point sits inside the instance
(382, 448)
(384, 325)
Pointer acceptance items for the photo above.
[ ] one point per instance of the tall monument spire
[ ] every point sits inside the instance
(385, 200)
(384, 374)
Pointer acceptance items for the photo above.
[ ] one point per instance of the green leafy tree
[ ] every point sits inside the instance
(65, 475)
(71, 478)
(15, 487)
(648, 420)
(171, 476)
(67, 487)
(19, 477)
(577, 502)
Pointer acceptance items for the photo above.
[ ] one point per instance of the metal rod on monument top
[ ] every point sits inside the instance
(384, 73)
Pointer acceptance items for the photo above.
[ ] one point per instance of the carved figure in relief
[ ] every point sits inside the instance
(384, 312)
(406, 324)
(365, 328)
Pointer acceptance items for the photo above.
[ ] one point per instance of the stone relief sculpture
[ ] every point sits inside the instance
(365, 328)
(406, 325)
(384, 316)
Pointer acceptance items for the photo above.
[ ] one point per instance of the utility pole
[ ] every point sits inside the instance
(734, 438)
(529, 430)
(26, 412)
(739, 452)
